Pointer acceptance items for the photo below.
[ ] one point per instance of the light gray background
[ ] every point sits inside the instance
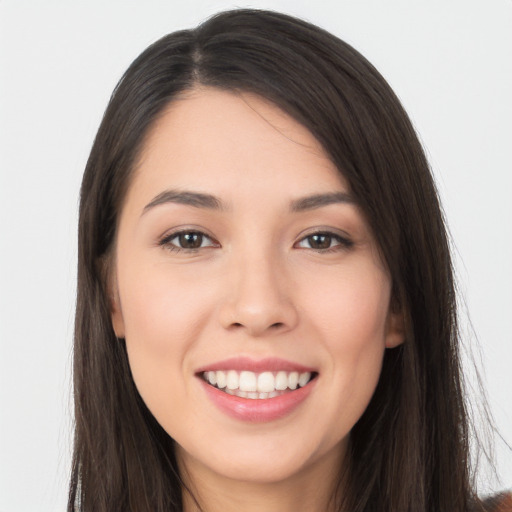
(449, 61)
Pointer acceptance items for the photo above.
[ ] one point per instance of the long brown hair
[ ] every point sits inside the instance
(409, 451)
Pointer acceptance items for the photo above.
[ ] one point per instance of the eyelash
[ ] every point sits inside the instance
(166, 241)
(344, 243)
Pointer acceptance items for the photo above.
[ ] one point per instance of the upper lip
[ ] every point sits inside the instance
(270, 364)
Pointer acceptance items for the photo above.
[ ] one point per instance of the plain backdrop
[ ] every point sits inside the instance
(450, 62)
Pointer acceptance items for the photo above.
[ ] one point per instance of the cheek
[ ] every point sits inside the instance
(161, 309)
(350, 319)
(351, 308)
(163, 315)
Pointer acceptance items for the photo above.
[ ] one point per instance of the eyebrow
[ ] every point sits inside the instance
(210, 202)
(196, 199)
(318, 200)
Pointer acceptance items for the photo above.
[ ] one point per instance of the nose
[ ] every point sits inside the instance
(259, 298)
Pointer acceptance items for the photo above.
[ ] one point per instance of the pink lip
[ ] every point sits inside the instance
(271, 364)
(257, 410)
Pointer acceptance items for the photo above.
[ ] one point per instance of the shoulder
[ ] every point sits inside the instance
(501, 502)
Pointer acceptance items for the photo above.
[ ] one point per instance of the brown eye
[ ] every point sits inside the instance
(187, 241)
(324, 242)
(191, 240)
(320, 241)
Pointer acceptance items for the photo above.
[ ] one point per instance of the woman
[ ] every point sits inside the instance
(266, 310)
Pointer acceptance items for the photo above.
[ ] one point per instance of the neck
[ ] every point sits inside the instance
(313, 489)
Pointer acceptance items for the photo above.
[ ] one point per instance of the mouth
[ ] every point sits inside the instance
(257, 386)
(257, 390)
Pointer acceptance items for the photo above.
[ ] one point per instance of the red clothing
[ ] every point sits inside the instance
(499, 503)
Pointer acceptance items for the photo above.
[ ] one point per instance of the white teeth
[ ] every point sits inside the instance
(281, 381)
(304, 379)
(266, 382)
(248, 381)
(264, 385)
(232, 380)
(221, 379)
(293, 380)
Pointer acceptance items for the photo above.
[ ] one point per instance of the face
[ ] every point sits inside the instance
(249, 290)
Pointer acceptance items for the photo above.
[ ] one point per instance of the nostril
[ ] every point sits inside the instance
(274, 326)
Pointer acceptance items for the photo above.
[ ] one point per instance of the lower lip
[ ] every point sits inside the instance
(258, 410)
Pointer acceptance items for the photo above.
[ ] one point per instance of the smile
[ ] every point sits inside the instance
(252, 385)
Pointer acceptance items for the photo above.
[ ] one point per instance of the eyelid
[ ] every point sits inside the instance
(344, 239)
(165, 240)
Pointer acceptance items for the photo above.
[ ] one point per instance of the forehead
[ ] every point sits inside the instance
(219, 141)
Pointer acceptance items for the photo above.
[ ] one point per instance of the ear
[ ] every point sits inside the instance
(395, 325)
(117, 316)
(116, 313)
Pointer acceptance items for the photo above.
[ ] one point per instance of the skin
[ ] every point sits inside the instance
(257, 287)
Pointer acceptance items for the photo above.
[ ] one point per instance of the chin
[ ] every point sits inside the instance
(258, 470)
(256, 461)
